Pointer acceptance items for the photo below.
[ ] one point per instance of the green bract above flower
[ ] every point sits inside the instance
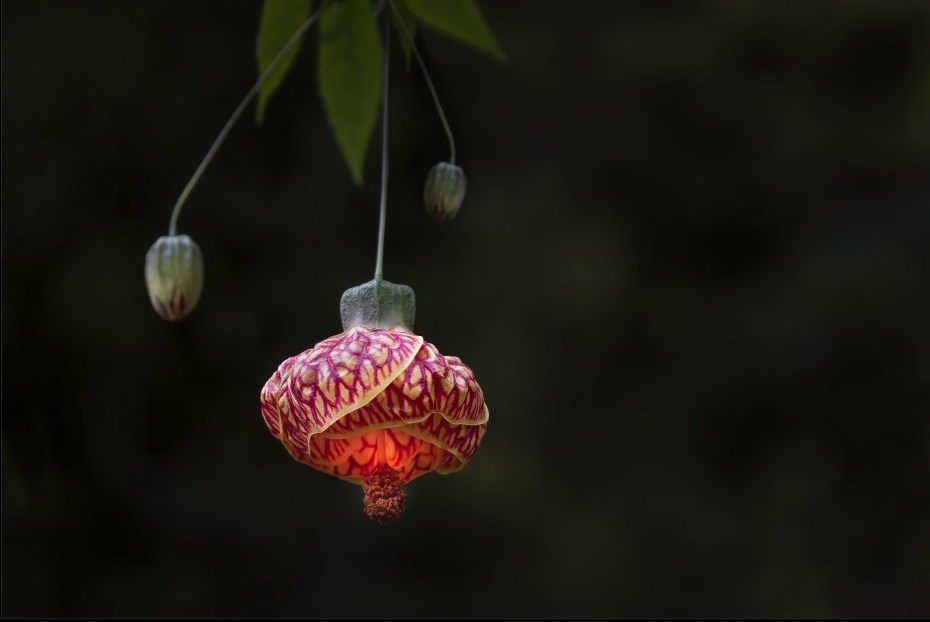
(174, 276)
(444, 191)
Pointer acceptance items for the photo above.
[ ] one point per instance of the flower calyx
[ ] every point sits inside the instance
(378, 304)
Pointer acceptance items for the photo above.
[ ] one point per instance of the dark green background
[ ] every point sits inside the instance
(692, 275)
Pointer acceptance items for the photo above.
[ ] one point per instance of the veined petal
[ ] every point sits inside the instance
(372, 397)
(459, 440)
(314, 389)
(458, 396)
(431, 384)
(270, 397)
(353, 457)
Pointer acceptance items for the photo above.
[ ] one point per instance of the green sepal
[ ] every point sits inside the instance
(378, 304)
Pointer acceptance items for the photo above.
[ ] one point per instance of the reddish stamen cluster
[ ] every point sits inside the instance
(384, 494)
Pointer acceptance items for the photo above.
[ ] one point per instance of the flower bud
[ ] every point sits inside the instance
(174, 276)
(444, 191)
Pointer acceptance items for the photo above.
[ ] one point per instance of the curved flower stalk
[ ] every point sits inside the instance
(174, 263)
(445, 186)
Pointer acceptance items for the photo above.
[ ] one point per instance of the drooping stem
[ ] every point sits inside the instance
(379, 263)
(173, 226)
(429, 81)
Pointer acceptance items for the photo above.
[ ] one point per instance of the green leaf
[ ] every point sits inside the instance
(280, 20)
(350, 77)
(408, 20)
(460, 19)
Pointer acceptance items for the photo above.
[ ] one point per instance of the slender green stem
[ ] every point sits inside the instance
(173, 226)
(429, 82)
(379, 263)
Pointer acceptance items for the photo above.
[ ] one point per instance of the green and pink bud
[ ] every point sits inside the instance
(444, 191)
(174, 276)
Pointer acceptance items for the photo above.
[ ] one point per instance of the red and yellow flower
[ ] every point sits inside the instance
(377, 407)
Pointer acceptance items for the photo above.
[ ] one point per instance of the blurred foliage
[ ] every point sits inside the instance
(691, 277)
(350, 63)
(406, 26)
(460, 19)
(280, 20)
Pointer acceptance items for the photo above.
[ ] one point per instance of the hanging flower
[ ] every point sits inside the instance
(376, 406)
